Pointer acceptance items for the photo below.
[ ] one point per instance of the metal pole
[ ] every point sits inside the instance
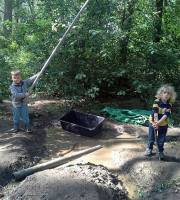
(57, 46)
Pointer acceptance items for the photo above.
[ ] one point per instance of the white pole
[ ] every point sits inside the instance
(53, 163)
(57, 46)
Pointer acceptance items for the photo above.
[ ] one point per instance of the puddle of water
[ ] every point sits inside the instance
(60, 142)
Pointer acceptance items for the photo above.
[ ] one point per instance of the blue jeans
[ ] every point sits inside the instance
(161, 137)
(21, 113)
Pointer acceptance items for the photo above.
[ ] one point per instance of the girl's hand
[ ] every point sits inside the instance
(156, 124)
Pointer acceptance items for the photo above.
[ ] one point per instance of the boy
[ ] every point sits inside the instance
(159, 119)
(19, 95)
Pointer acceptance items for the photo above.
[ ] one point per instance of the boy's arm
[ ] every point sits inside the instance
(17, 95)
(165, 115)
(161, 120)
(155, 110)
(155, 117)
(30, 80)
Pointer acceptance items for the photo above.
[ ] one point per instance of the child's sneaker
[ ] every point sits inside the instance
(28, 130)
(14, 130)
(148, 152)
(161, 156)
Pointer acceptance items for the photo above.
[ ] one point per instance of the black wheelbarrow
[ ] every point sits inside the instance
(81, 123)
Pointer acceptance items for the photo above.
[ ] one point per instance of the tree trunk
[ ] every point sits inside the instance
(8, 7)
(157, 31)
(16, 10)
(31, 7)
(158, 21)
(126, 28)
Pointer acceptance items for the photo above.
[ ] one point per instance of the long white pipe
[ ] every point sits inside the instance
(53, 163)
(57, 46)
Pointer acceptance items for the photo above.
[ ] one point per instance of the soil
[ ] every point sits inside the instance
(73, 182)
(122, 157)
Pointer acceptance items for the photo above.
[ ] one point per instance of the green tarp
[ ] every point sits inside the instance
(133, 116)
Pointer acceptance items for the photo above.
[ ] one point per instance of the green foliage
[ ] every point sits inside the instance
(166, 185)
(141, 193)
(110, 51)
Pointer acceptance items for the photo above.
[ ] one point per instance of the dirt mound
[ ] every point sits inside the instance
(18, 151)
(74, 182)
(149, 174)
(122, 152)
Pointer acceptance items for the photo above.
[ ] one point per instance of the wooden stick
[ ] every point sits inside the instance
(156, 141)
(53, 163)
(57, 46)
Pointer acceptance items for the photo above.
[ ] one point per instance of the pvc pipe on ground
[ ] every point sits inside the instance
(53, 163)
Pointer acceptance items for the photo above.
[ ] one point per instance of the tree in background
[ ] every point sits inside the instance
(8, 9)
(118, 47)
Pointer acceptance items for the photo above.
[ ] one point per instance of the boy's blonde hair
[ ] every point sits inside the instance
(15, 72)
(169, 89)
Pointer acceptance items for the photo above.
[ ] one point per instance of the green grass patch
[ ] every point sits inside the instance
(166, 185)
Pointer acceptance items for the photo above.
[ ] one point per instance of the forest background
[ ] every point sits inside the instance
(118, 48)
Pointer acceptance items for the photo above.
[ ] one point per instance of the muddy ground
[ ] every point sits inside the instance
(73, 182)
(122, 155)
